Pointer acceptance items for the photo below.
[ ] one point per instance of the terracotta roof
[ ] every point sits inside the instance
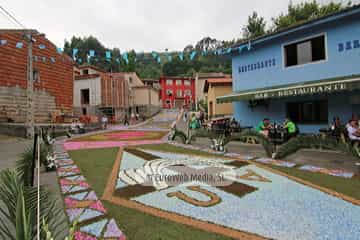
(150, 80)
(219, 80)
(33, 31)
(91, 66)
(216, 81)
(212, 75)
(87, 76)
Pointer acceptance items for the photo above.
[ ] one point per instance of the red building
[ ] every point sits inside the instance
(177, 91)
(52, 74)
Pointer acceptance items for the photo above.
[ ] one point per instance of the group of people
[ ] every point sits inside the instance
(352, 128)
(134, 117)
(265, 126)
(194, 120)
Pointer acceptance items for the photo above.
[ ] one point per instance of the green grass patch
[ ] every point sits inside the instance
(349, 187)
(96, 166)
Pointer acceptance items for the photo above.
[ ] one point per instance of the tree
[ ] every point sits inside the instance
(189, 48)
(305, 11)
(207, 44)
(255, 26)
(145, 65)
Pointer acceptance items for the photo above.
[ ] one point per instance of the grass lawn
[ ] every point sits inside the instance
(96, 165)
(349, 187)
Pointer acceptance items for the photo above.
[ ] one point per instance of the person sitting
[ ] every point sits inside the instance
(290, 128)
(76, 127)
(353, 130)
(336, 127)
(73, 127)
(264, 127)
(234, 125)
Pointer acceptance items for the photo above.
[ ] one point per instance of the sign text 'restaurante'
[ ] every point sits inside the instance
(257, 66)
(302, 91)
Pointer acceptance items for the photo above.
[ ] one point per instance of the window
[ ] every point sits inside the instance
(85, 71)
(36, 76)
(178, 82)
(85, 96)
(307, 51)
(187, 92)
(179, 93)
(311, 112)
(187, 83)
(130, 79)
(169, 92)
(169, 82)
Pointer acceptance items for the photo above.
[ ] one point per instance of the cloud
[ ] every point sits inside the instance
(143, 25)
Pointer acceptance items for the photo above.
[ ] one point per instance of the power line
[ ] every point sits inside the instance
(12, 17)
(8, 18)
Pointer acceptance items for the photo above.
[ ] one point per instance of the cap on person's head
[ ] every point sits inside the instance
(266, 119)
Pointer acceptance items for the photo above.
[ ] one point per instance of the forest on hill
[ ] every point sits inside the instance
(200, 57)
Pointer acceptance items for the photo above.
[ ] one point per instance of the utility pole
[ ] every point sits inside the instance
(30, 88)
(196, 95)
(149, 108)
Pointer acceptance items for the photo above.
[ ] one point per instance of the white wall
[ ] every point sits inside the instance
(94, 85)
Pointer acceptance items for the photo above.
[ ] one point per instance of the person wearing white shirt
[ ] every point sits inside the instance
(353, 130)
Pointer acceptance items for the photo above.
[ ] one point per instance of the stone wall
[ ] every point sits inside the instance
(13, 104)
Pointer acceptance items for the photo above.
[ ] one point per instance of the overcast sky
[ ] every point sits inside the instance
(143, 25)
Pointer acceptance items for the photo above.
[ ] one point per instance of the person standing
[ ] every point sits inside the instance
(104, 121)
(185, 116)
(126, 120)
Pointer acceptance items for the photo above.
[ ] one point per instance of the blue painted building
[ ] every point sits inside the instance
(309, 72)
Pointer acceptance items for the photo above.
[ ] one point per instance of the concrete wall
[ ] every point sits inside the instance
(199, 88)
(13, 104)
(143, 95)
(94, 86)
(55, 71)
(216, 91)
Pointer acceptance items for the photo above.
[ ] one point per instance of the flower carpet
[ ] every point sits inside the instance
(125, 135)
(310, 168)
(229, 196)
(115, 139)
(81, 203)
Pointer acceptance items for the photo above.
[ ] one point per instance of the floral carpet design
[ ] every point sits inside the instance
(115, 139)
(332, 172)
(82, 204)
(125, 135)
(248, 199)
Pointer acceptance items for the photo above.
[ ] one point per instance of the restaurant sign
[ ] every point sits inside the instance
(301, 90)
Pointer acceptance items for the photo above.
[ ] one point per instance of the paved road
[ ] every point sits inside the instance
(10, 149)
(320, 158)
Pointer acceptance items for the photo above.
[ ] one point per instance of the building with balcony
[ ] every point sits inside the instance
(177, 92)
